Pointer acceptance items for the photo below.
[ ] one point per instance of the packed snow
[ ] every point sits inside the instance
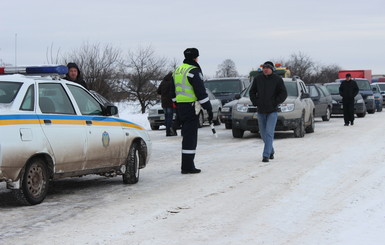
(325, 188)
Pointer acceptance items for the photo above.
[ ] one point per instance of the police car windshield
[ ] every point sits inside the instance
(8, 91)
(223, 86)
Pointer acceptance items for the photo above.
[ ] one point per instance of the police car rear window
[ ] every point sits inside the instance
(8, 91)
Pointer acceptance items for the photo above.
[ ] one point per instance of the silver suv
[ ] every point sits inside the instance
(296, 112)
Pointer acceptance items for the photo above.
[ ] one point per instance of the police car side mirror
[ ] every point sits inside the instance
(111, 110)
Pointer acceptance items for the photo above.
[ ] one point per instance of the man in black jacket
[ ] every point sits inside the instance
(348, 90)
(74, 74)
(190, 94)
(164, 90)
(267, 92)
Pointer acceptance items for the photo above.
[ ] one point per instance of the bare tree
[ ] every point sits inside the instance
(326, 74)
(52, 58)
(227, 69)
(301, 65)
(99, 66)
(141, 74)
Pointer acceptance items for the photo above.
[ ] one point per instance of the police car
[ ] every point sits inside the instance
(53, 128)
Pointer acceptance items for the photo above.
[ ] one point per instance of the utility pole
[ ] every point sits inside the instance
(15, 49)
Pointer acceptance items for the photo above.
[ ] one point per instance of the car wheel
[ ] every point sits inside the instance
(310, 128)
(327, 116)
(361, 114)
(201, 119)
(299, 131)
(34, 183)
(238, 133)
(372, 111)
(154, 127)
(228, 125)
(131, 175)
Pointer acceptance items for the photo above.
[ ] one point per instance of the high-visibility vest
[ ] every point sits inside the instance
(183, 89)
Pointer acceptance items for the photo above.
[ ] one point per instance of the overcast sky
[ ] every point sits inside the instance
(350, 34)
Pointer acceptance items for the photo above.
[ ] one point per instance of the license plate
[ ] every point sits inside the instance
(161, 118)
(255, 116)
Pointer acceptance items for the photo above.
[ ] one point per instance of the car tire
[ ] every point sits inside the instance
(228, 125)
(372, 111)
(237, 132)
(310, 128)
(327, 116)
(131, 174)
(361, 114)
(201, 119)
(299, 131)
(154, 127)
(34, 183)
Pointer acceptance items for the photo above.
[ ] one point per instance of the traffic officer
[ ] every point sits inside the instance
(190, 95)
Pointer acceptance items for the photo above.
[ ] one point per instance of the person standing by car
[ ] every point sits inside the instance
(167, 103)
(190, 95)
(267, 92)
(348, 90)
(74, 74)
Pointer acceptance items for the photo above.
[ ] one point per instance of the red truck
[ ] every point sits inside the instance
(367, 74)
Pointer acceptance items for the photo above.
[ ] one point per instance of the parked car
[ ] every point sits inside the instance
(156, 113)
(296, 112)
(381, 87)
(53, 128)
(227, 88)
(226, 113)
(322, 100)
(366, 92)
(359, 103)
(378, 99)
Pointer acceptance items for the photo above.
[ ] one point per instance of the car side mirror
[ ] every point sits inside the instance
(237, 96)
(305, 95)
(111, 110)
(374, 89)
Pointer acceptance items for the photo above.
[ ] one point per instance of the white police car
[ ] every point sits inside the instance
(52, 128)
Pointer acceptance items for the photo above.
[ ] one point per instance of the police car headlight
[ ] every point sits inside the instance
(226, 109)
(152, 112)
(242, 107)
(370, 97)
(286, 107)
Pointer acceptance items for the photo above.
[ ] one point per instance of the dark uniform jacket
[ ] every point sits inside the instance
(197, 83)
(267, 92)
(164, 90)
(348, 89)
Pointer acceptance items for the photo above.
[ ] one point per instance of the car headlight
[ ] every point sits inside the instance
(360, 101)
(286, 107)
(242, 107)
(152, 112)
(370, 97)
(226, 109)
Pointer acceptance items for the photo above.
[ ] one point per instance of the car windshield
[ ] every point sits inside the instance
(363, 84)
(223, 86)
(333, 88)
(382, 86)
(8, 91)
(292, 89)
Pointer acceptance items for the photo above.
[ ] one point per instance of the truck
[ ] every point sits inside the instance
(367, 74)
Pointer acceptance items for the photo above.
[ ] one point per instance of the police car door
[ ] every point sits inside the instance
(105, 137)
(65, 133)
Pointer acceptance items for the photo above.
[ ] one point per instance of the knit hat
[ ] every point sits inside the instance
(269, 64)
(348, 75)
(191, 53)
(73, 65)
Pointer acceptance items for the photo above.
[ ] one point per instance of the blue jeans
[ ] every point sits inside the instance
(266, 124)
(168, 114)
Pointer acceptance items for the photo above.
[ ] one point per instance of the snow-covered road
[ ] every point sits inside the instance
(325, 188)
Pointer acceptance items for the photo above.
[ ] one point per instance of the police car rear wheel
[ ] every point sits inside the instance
(131, 175)
(34, 183)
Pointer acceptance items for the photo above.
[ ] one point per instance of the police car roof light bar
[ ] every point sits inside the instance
(35, 70)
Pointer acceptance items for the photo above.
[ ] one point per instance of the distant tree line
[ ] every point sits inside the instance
(136, 75)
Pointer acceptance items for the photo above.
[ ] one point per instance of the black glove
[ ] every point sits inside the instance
(210, 113)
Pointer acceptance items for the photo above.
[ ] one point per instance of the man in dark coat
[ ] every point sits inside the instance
(267, 92)
(348, 90)
(164, 90)
(190, 95)
(74, 75)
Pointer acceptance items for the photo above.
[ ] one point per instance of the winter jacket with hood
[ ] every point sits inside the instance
(79, 79)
